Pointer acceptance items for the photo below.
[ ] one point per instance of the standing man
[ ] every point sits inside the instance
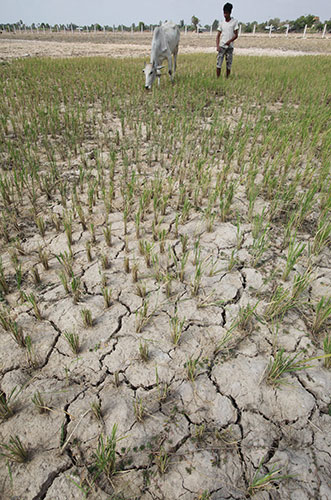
(224, 44)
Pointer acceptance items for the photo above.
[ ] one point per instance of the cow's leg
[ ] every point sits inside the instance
(169, 57)
(175, 59)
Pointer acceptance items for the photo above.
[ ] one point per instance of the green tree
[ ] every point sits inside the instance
(301, 22)
(215, 25)
(195, 21)
(248, 27)
(274, 22)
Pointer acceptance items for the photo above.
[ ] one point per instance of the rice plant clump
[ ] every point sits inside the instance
(15, 450)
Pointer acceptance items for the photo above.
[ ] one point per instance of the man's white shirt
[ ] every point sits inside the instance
(227, 30)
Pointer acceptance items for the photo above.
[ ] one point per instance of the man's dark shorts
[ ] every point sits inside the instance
(228, 53)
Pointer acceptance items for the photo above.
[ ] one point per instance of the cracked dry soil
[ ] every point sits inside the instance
(185, 436)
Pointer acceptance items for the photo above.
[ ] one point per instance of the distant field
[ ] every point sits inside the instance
(165, 276)
(138, 44)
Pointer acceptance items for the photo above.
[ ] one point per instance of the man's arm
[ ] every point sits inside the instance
(235, 36)
(218, 36)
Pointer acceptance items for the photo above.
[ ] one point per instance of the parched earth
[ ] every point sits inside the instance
(195, 420)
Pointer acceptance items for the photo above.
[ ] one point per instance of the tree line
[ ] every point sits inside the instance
(313, 23)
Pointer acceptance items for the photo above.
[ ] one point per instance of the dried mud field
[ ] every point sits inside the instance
(165, 276)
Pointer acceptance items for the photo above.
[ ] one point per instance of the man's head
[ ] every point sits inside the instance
(227, 9)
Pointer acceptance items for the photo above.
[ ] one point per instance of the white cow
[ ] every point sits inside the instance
(164, 44)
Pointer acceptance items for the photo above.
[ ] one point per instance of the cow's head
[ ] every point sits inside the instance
(151, 72)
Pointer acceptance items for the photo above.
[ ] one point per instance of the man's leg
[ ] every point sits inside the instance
(228, 58)
(220, 58)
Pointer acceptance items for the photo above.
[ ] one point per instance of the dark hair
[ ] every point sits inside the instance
(228, 7)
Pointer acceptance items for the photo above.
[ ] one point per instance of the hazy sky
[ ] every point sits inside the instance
(126, 12)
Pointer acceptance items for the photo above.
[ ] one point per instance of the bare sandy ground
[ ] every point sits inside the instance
(138, 45)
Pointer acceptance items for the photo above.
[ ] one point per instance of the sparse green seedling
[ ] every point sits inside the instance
(162, 388)
(139, 409)
(245, 318)
(66, 261)
(323, 234)
(195, 286)
(96, 410)
(199, 432)
(167, 281)
(41, 225)
(87, 318)
(294, 253)
(327, 351)
(39, 403)
(205, 495)
(265, 481)
(73, 341)
(191, 366)
(281, 302)
(226, 438)
(88, 248)
(300, 283)
(57, 222)
(134, 272)
(5, 319)
(116, 379)
(182, 264)
(81, 216)
(15, 451)
(67, 223)
(107, 296)
(32, 358)
(14, 258)
(107, 235)
(92, 231)
(35, 276)
(64, 280)
(105, 454)
(127, 264)
(233, 262)
(75, 289)
(162, 460)
(282, 363)
(6, 407)
(142, 317)
(322, 314)
(16, 332)
(176, 329)
(105, 264)
(141, 290)
(184, 242)
(4, 288)
(33, 301)
(143, 351)
(225, 340)
(260, 246)
(43, 257)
